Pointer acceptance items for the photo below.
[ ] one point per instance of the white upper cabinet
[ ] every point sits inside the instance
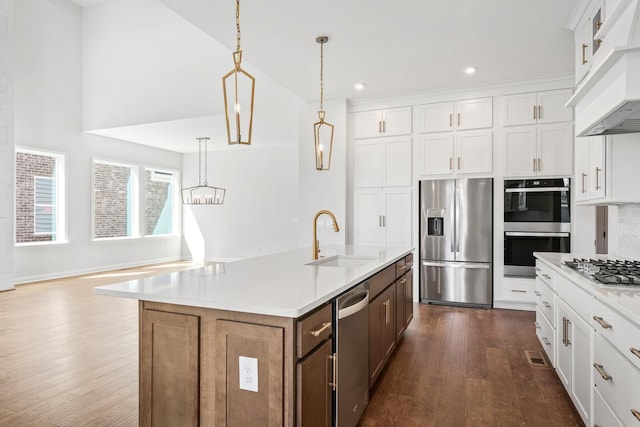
(460, 153)
(377, 123)
(458, 115)
(536, 108)
(383, 162)
(583, 47)
(538, 150)
(589, 169)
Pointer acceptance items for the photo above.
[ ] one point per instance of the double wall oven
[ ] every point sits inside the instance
(537, 218)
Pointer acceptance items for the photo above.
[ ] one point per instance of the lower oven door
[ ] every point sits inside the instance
(520, 246)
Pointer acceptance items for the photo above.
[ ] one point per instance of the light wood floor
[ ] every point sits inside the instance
(70, 358)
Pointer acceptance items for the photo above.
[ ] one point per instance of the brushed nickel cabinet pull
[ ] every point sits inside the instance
(387, 317)
(568, 341)
(546, 341)
(564, 331)
(458, 163)
(539, 165)
(519, 290)
(402, 267)
(450, 163)
(546, 276)
(324, 327)
(546, 304)
(539, 112)
(384, 126)
(458, 119)
(537, 325)
(636, 414)
(598, 186)
(334, 359)
(538, 294)
(602, 372)
(534, 164)
(451, 120)
(584, 177)
(534, 112)
(379, 127)
(602, 323)
(584, 53)
(404, 281)
(635, 351)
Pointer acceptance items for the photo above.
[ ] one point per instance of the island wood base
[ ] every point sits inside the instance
(189, 373)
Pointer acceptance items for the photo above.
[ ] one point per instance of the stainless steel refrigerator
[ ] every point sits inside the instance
(456, 242)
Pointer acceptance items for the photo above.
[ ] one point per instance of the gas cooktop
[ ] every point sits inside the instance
(608, 271)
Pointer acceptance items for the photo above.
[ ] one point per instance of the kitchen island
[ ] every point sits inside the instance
(199, 327)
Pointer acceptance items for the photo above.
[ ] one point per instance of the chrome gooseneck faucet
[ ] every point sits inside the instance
(316, 243)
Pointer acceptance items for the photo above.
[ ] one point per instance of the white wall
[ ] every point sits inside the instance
(323, 189)
(6, 143)
(48, 115)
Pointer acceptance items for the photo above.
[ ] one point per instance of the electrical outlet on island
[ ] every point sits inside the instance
(248, 373)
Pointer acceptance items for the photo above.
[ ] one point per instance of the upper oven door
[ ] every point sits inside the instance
(537, 201)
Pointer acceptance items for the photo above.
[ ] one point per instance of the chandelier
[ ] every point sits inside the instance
(203, 193)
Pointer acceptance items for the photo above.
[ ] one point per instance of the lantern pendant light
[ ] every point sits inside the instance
(322, 130)
(239, 88)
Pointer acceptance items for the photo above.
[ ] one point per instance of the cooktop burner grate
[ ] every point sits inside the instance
(607, 271)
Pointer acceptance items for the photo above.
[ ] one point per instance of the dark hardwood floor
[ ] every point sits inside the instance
(468, 367)
(70, 358)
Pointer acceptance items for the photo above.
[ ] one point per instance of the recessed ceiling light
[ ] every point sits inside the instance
(470, 70)
(359, 86)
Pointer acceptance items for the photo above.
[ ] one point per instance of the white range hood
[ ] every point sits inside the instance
(608, 100)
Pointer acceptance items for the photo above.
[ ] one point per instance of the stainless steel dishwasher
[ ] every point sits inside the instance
(352, 349)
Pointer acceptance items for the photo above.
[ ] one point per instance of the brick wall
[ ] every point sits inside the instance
(111, 216)
(156, 194)
(28, 166)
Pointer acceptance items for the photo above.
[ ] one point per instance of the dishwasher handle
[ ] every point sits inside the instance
(357, 302)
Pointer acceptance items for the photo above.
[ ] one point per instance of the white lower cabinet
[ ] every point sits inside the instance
(603, 415)
(382, 215)
(546, 333)
(573, 349)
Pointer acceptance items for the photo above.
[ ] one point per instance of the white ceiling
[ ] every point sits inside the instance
(394, 47)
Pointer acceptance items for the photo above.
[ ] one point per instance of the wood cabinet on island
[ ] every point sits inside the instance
(248, 342)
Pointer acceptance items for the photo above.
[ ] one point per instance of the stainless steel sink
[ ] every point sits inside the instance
(344, 261)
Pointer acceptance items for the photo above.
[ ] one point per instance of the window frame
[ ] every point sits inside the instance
(134, 200)
(60, 235)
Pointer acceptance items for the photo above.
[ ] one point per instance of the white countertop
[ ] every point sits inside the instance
(624, 299)
(279, 284)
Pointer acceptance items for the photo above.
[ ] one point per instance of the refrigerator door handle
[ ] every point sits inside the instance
(484, 266)
(457, 219)
(534, 234)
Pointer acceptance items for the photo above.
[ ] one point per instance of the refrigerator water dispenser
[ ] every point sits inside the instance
(435, 222)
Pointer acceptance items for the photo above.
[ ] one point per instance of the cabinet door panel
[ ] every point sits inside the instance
(436, 117)
(474, 114)
(314, 391)
(518, 109)
(397, 121)
(400, 307)
(236, 406)
(368, 217)
(581, 179)
(169, 370)
(376, 356)
(519, 151)
(435, 154)
(367, 124)
(563, 351)
(597, 185)
(474, 152)
(581, 366)
(368, 171)
(555, 149)
(552, 106)
(397, 217)
(397, 161)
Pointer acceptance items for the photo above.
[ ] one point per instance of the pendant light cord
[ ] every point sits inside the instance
(321, 75)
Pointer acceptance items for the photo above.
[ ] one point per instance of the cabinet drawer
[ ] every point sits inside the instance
(379, 281)
(401, 267)
(545, 300)
(546, 335)
(518, 289)
(620, 332)
(602, 414)
(617, 381)
(314, 329)
(545, 273)
(573, 295)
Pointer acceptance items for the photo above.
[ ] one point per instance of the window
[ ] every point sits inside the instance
(115, 204)
(39, 197)
(159, 206)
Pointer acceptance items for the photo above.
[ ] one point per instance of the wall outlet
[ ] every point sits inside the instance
(248, 373)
